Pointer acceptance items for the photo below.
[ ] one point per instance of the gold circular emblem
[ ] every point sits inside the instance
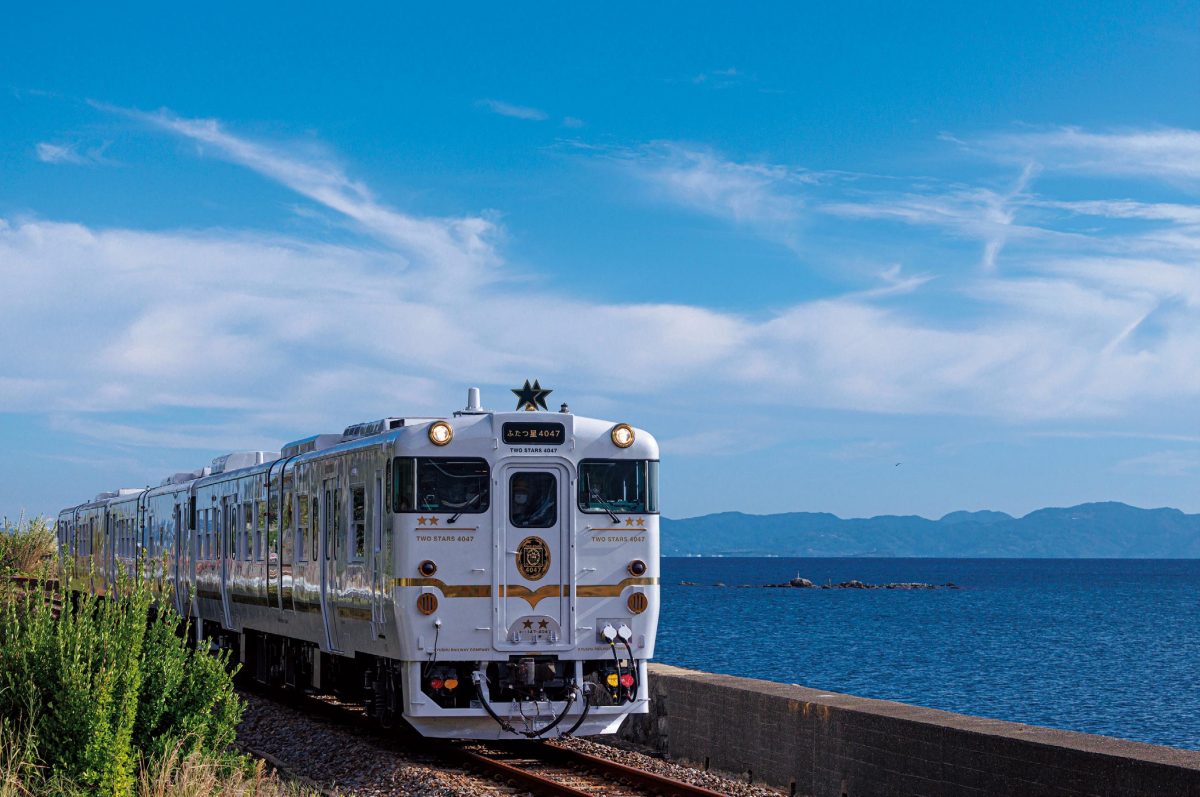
(533, 558)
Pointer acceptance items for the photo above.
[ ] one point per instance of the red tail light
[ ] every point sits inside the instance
(436, 683)
(627, 680)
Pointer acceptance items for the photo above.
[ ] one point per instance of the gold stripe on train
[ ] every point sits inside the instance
(532, 597)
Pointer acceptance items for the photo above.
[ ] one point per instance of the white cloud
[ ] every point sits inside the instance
(279, 335)
(58, 153)
(459, 247)
(761, 196)
(1169, 154)
(70, 153)
(515, 111)
(1161, 463)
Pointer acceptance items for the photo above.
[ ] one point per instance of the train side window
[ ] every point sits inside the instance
(301, 527)
(247, 531)
(262, 541)
(404, 484)
(272, 520)
(358, 521)
(316, 513)
(337, 522)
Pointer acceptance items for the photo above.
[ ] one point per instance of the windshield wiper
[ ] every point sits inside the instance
(604, 505)
(459, 513)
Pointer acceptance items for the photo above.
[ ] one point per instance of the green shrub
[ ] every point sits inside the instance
(105, 682)
(27, 548)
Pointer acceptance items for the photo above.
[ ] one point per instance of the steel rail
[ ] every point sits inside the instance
(515, 776)
(640, 779)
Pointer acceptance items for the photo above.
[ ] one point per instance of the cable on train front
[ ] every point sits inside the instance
(532, 542)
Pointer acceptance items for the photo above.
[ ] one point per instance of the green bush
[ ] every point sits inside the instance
(106, 683)
(27, 548)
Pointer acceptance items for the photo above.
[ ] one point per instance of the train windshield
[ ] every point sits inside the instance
(607, 485)
(435, 484)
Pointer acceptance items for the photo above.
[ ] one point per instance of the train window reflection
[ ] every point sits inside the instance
(533, 500)
(435, 484)
(618, 486)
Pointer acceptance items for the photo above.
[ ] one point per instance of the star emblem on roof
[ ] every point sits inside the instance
(530, 398)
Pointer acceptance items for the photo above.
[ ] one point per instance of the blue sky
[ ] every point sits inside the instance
(866, 259)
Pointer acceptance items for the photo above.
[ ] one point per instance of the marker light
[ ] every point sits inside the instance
(450, 683)
(622, 435)
(637, 568)
(435, 683)
(627, 680)
(612, 679)
(427, 568)
(440, 433)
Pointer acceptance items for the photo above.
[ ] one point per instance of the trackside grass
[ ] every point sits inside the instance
(107, 699)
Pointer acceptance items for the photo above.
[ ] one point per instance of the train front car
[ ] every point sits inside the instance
(527, 583)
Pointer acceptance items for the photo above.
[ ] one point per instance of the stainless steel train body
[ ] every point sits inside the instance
(481, 575)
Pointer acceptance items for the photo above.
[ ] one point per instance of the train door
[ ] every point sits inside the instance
(227, 532)
(534, 549)
(330, 529)
(375, 556)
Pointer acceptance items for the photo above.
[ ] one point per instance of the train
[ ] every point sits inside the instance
(481, 575)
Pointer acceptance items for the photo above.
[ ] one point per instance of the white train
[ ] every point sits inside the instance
(484, 575)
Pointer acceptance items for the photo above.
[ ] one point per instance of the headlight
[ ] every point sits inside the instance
(440, 433)
(622, 435)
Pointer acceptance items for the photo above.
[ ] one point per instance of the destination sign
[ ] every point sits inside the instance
(534, 433)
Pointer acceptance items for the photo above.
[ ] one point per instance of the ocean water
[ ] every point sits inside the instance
(1096, 645)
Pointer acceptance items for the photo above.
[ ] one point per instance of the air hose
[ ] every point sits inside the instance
(633, 669)
(479, 678)
(616, 663)
(587, 707)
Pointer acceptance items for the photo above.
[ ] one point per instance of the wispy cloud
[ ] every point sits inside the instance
(69, 153)
(763, 196)
(1162, 463)
(515, 111)
(460, 246)
(720, 78)
(1169, 154)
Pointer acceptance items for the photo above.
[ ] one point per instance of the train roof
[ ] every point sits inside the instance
(237, 464)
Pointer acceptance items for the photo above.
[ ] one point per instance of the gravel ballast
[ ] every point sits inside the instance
(341, 759)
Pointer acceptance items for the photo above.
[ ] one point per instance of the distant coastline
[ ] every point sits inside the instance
(1108, 530)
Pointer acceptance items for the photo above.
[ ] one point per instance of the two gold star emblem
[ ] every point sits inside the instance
(640, 521)
(432, 521)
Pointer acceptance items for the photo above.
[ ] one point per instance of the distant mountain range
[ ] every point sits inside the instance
(1108, 529)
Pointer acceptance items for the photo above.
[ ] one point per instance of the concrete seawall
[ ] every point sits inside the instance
(830, 745)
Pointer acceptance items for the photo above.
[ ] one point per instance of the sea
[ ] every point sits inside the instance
(1107, 646)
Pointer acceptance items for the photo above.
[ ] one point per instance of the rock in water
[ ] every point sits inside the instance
(800, 582)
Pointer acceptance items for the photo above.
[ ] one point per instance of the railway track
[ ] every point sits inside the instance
(55, 598)
(547, 769)
(556, 771)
